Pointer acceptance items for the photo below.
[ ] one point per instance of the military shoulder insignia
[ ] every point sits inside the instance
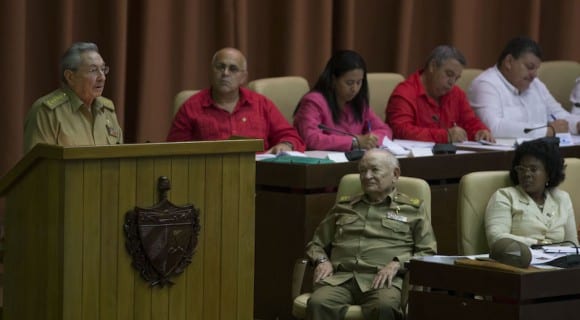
(55, 99)
(405, 199)
(107, 103)
(162, 239)
(344, 198)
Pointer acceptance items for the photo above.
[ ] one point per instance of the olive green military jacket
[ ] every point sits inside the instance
(364, 237)
(58, 118)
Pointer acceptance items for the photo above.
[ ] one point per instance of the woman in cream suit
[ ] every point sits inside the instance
(534, 210)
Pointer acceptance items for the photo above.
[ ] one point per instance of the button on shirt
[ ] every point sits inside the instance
(254, 116)
(507, 112)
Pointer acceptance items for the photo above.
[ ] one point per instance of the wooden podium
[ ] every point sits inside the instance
(65, 246)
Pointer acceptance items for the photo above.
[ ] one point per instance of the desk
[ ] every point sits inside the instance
(291, 199)
(524, 295)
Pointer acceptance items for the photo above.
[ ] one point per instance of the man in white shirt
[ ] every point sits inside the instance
(509, 98)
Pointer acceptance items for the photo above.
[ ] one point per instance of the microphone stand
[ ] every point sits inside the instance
(528, 130)
(567, 261)
(352, 155)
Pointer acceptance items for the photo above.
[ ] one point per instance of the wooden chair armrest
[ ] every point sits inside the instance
(298, 276)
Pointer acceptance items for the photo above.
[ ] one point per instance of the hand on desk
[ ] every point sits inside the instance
(322, 271)
(560, 125)
(484, 135)
(367, 141)
(280, 147)
(386, 274)
(456, 134)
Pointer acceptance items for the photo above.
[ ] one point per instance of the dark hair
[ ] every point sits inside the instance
(443, 53)
(548, 152)
(519, 46)
(340, 63)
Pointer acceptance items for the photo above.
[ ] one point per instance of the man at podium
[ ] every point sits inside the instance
(228, 109)
(75, 114)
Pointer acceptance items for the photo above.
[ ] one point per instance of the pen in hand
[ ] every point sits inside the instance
(552, 117)
(369, 126)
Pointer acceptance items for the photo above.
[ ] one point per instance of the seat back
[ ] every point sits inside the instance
(285, 92)
(476, 188)
(572, 184)
(180, 99)
(559, 76)
(381, 85)
(467, 77)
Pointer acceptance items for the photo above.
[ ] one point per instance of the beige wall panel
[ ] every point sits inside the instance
(230, 220)
(73, 244)
(146, 185)
(160, 296)
(111, 235)
(195, 273)
(178, 195)
(127, 276)
(246, 234)
(91, 238)
(213, 235)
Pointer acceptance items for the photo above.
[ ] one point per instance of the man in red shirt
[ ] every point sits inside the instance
(428, 106)
(227, 109)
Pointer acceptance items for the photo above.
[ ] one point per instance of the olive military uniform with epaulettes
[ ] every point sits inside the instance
(61, 118)
(364, 238)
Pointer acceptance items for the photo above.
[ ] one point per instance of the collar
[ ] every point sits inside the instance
(506, 83)
(76, 102)
(416, 78)
(245, 99)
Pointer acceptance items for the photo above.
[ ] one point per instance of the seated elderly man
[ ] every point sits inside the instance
(227, 109)
(509, 98)
(370, 236)
(428, 106)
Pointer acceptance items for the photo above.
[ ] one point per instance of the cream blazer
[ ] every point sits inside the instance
(511, 213)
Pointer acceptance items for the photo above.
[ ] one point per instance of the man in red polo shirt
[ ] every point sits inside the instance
(428, 106)
(227, 109)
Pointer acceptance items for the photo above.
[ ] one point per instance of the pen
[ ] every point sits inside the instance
(552, 116)
(369, 126)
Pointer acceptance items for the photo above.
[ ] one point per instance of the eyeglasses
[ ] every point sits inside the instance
(524, 170)
(221, 67)
(95, 71)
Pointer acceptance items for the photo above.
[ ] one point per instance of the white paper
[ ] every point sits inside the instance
(421, 152)
(337, 157)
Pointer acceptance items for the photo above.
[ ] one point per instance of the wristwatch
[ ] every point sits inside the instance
(354, 144)
(321, 260)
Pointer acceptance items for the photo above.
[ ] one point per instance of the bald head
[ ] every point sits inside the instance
(228, 73)
(232, 53)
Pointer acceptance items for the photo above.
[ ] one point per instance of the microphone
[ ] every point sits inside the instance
(567, 261)
(528, 130)
(350, 155)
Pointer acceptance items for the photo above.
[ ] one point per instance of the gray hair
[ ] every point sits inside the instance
(390, 158)
(71, 59)
(442, 53)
